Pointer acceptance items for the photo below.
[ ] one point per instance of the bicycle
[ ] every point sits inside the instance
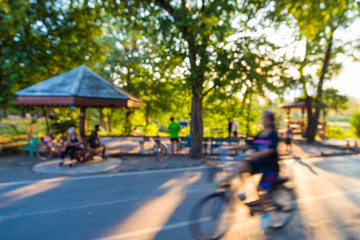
(48, 147)
(211, 216)
(159, 149)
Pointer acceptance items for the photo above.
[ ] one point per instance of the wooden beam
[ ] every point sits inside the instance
(82, 123)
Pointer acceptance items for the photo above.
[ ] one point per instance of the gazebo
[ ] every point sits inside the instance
(299, 126)
(79, 87)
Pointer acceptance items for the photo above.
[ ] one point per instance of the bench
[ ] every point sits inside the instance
(186, 142)
(218, 142)
(88, 153)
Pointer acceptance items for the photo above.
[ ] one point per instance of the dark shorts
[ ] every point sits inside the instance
(95, 145)
(174, 139)
(288, 140)
(259, 166)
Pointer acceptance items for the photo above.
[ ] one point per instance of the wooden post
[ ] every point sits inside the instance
(288, 114)
(82, 122)
(302, 124)
(324, 122)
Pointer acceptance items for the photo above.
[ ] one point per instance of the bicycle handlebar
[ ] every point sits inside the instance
(226, 166)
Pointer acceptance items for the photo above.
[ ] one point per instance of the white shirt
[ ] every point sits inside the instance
(235, 126)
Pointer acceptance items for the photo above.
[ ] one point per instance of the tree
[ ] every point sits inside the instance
(253, 72)
(317, 23)
(132, 64)
(40, 39)
(199, 38)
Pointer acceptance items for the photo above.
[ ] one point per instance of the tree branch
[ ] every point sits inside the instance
(166, 6)
(188, 7)
(209, 90)
(324, 68)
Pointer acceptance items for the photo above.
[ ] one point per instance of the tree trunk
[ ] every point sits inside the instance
(313, 117)
(82, 123)
(102, 122)
(109, 119)
(31, 126)
(248, 114)
(196, 125)
(147, 120)
(128, 126)
(46, 121)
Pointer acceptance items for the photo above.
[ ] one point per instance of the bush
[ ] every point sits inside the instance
(355, 123)
(335, 132)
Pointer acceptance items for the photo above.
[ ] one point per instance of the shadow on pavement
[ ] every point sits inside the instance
(342, 166)
(298, 160)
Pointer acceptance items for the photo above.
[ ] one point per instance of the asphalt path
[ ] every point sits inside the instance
(156, 204)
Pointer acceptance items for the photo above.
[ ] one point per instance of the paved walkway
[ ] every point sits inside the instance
(18, 167)
(97, 165)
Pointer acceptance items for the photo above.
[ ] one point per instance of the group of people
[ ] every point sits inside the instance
(74, 142)
(232, 128)
(265, 144)
(174, 129)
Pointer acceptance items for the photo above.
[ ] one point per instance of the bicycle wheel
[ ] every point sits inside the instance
(282, 202)
(43, 152)
(210, 219)
(159, 152)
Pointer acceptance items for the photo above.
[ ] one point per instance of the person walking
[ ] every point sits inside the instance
(229, 127)
(174, 129)
(235, 126)
(288, 138)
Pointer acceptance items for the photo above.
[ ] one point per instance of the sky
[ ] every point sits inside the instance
(348, 81)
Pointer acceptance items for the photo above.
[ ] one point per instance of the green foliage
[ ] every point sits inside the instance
(61, 119)
(60, 127)
(10, 129)
(355, 122)
(335, 132)
(40, 39)
(334, 100)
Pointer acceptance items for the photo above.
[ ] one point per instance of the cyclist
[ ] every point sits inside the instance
(265, 158)
(72, 144)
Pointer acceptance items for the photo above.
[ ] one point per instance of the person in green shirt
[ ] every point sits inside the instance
(174, 129)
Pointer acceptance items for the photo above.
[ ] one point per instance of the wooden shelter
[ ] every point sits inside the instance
(299, 126)
(79, 87)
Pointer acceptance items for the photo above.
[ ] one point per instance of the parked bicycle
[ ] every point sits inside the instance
(212, 216)
(159, 149)
(48, 147)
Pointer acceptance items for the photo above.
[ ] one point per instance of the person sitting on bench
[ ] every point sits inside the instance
(94, 138)
(72, 144)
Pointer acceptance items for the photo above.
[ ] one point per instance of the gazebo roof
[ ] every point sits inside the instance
(79, 87)
(297, 104)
